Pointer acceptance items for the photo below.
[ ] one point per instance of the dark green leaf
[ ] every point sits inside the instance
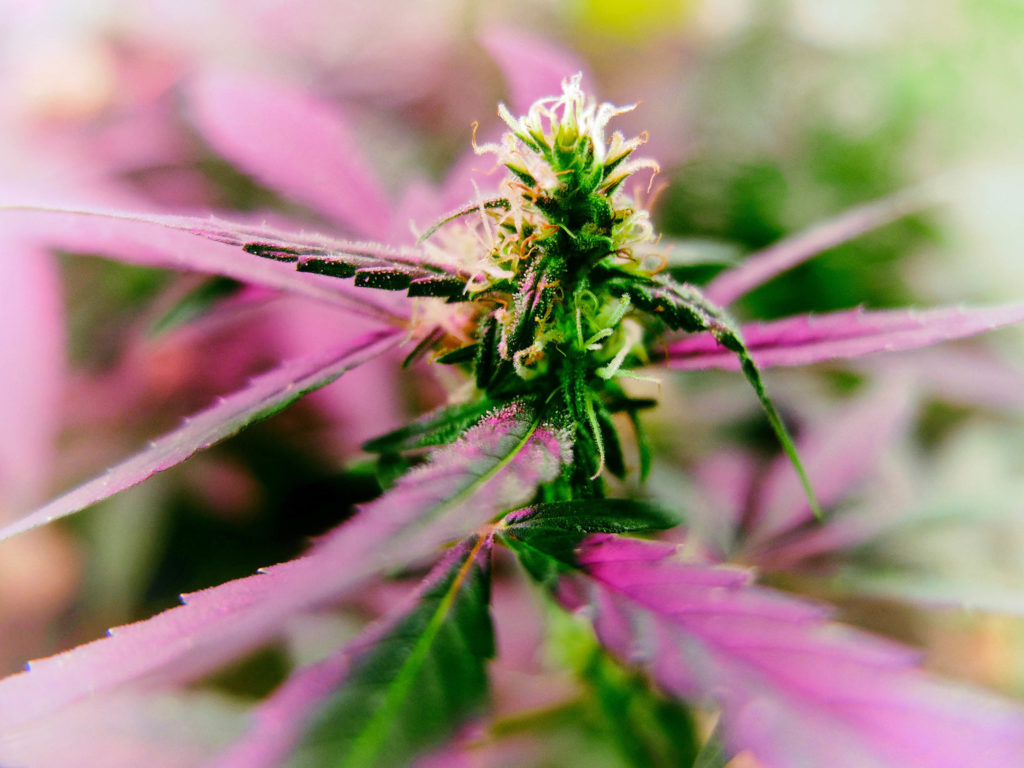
(435, 428)
(416, 682)
(196, 303)
(442, 286)
(383, 278)
(545, 536)
(332, 267)
(461, 355)
(649, 730)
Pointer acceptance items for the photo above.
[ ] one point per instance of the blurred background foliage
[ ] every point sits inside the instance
(767, 116)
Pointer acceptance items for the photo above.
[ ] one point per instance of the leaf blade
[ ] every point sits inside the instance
(495, 466)
(266, 395)
(292, 141)
(794, 689)
(805, 340)
(766, 264)
(341, 687)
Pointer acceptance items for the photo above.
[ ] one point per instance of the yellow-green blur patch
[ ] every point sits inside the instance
(631, 21)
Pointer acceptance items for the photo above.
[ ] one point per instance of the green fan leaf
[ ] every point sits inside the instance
(418, 681)
(435, 428)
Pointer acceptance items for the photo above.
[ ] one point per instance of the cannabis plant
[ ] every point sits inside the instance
(551, 302)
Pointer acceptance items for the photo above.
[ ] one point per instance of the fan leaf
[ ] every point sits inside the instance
(842, 335)
(398, 688)
(263, 397)
(495, 466)
(794, 689)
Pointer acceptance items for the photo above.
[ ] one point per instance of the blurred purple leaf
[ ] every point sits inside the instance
(495, 466)
(795, 690)
(807, 339)
(264, 396)
(32, 359)
(841, 449)
(131, 729)
(762, 266)
(168, 241)
(294, 142)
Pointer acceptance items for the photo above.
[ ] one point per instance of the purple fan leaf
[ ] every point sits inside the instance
(853, 333)
(762, 266)
(264, 396)
(840, 452)
(495, 466)
(131, 729)
(293, 142)
(32, 351)
(165, 241)
(795, 690)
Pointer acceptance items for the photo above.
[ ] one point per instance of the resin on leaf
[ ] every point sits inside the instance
(541, 297)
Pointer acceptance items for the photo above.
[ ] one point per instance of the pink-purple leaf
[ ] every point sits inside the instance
(840, 452)
(32, 355)
(810, 339)
(495, 466)
(294, 142)
(794, 689)
(166, 241)
(762, 266)
(401, 686)
(131, 729)
(264, 396)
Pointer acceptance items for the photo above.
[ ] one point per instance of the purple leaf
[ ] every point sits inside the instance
(840, 452)
(132, 729)
(493, 467)
(971, 376)
(795, 690)
(278, 724)
(264, 396)
(810, 339)
(763, 265)
(32, 356)
(167, 241)
(294, 142)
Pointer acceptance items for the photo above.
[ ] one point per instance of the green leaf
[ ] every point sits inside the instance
(418, 681)
(435, 428)
(649, 730)
(545, 536)
(195, 304)
(683, 307)
(731, 340)
(713, 754)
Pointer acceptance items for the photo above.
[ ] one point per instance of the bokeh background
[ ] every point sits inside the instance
(766, 117)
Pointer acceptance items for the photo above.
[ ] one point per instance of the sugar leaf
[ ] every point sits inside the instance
(163, 241)
(434, 428)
